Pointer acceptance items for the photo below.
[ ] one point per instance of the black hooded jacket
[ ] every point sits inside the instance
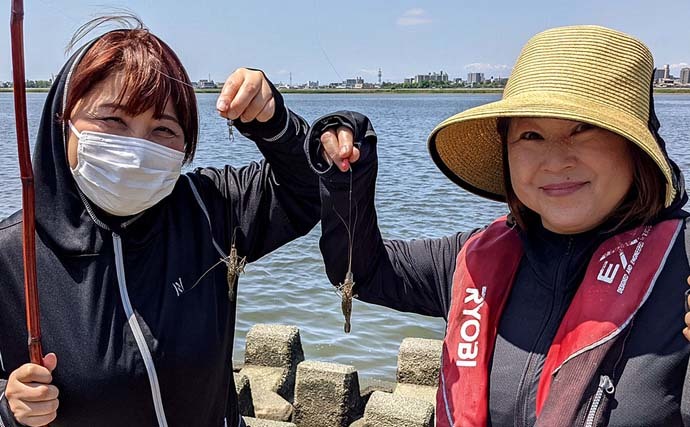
(648, 369)
(135, 345)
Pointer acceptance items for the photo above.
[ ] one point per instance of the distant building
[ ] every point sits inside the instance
(204, 84)
(667, 72)
(357, 83)
(659, 75)
(685, 76)
(429, 77)
(475, 78)
(313, 85)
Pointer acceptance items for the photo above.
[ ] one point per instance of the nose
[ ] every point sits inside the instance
(140, 129)
(558, 155)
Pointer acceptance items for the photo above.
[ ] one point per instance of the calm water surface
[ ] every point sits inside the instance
(414, 200)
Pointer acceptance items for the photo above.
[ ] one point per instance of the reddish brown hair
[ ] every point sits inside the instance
(153, 73)
(641, 205)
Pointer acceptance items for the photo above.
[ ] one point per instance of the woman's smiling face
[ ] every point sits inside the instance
(574, 175)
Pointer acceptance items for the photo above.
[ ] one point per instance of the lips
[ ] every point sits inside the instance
(563, 188)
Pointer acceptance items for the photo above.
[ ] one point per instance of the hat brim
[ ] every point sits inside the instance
(467, 146)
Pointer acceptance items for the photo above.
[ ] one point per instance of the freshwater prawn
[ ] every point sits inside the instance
(346, 287)
(235, 265)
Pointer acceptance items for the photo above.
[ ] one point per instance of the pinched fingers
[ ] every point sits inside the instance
(262, 99)
(268, 111)
(338, 147)
(348, 151)
(331, 148)
(227, 94)
(345, 142)
(246, 95)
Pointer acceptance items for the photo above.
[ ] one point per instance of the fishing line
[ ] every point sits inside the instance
(348, 225)
(329, 59)
(318, 40)
(346, 286)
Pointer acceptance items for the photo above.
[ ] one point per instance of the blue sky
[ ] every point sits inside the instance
(330, 41)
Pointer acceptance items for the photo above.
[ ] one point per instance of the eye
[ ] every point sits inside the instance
(111, 120)
(166, 131)
(530, 135)
(583, 127)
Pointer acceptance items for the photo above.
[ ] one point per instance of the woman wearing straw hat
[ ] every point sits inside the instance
(569, 310)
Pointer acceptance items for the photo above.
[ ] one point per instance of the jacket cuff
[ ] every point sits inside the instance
(363, 133)
(6, 416)
(274, 129)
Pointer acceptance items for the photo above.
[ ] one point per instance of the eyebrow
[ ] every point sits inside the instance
(116, 106)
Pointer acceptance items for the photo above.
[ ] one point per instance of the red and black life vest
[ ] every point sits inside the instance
(620, 276)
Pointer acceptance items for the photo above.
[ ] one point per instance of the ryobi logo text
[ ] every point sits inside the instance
(468, 347)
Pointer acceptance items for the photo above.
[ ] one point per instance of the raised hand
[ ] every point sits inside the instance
(338, 147)
(246, 95)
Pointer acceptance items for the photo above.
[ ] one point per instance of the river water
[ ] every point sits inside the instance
(414, 200)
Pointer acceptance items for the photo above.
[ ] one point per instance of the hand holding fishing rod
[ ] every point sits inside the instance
(31, 397)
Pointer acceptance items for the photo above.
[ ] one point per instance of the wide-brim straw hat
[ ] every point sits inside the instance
(589, 74)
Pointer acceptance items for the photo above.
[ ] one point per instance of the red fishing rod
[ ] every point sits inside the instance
(28, 205)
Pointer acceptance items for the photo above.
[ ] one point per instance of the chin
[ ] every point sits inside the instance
(576, 223)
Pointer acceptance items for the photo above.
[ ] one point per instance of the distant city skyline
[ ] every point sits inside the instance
(307, 41)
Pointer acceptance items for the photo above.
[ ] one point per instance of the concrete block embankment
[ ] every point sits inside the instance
(390, 410)
(326, 395)
(280, 389)
(270, 363)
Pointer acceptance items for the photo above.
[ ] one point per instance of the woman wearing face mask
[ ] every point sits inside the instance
(568, 311)
(122, 236)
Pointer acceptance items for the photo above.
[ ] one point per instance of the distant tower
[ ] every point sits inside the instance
(667, 72)
(290, 78)
(379, 76)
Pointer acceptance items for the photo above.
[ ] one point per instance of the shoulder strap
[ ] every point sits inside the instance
(685, 399)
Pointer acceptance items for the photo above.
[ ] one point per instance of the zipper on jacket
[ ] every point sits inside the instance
(605, 386)
(138, 334)
(525, 387)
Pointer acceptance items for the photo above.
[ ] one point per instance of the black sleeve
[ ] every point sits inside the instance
(269, 203)
(6, 417)
(413, 276)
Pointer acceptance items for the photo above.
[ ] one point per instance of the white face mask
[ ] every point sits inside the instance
(124, 175)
